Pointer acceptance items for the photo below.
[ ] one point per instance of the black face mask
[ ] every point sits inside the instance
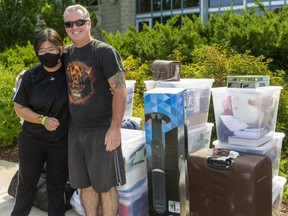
(49, 59)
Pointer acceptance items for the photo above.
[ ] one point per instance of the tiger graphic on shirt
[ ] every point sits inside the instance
(80, 82)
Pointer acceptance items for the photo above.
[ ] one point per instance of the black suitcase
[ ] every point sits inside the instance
(231, 187)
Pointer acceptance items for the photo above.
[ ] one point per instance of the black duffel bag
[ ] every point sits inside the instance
(41, 199)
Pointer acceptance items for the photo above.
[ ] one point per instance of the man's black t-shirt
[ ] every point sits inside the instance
(88, 69)
(46, 94)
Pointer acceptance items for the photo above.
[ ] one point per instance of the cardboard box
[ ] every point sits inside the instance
(165, 150)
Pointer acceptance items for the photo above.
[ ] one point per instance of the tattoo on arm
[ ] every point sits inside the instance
(119, 80)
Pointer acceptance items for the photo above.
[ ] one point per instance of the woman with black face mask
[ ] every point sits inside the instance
(41, 101)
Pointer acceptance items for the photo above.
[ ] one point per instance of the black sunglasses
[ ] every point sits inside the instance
(79, 22)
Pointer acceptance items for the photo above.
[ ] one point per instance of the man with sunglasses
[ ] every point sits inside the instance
(97, 98)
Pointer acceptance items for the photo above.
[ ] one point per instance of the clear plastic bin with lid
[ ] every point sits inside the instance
(246, 114)
(197, 97)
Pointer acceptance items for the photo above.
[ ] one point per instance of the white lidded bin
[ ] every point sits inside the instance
(197, 99)
(271, 148)
(183, 83)
(246, 116)
(134, 153)
(278, 184)
(199, 138)
(130, 85)
(134, 202)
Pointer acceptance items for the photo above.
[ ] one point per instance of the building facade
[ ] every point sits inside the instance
(118, 15)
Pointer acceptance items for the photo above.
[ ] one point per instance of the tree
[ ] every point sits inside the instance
(18, 21)
(19, 18)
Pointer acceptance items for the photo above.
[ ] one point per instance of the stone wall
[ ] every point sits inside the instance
(128, 14)
(116, 15)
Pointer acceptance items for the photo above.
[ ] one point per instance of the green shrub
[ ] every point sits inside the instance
(9, 122)
(19, 55)
(135, 70)
(12, 62)
(283, 171)
(160, 42)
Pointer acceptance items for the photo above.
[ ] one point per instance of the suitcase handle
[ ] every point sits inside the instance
(215, 163)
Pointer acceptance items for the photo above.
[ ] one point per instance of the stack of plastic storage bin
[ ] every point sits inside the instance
(133, 195)
(128, 114)
(245, 122)
(277, 194)
(198, 101)
(133, 198)
(130, 85)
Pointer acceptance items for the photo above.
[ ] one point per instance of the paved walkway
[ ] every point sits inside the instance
(7, 171)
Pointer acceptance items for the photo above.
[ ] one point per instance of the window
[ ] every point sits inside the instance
(143, 6)
(190, 3)
(176, 4)
(156, 5)
(141, 23)
(160, 11)
(214, 3)
(226, 2)
(87, 2)
(166, 4)
(238, 2)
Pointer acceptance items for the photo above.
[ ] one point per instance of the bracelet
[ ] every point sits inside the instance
(43, 120)
(40, 119)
